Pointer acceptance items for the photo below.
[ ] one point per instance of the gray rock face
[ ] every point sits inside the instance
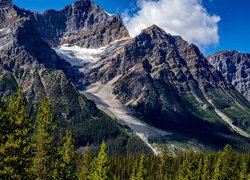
(154, 60)
(5, 3)
(82, 23)
(29, 62)
(235, 67)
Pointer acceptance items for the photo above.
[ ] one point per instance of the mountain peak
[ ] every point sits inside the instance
(153, 29)
(83, 2)
(5, 3)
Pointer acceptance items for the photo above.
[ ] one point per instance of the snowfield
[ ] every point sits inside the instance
(78, 56)
(106, 101)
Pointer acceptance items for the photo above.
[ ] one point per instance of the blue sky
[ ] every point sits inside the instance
(234, 26)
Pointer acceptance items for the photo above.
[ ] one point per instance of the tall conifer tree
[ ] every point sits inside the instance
(243, 173)
(84, 173)
(65, 166)
(15, 142)
(225, 166)
(44, 141)
(100, 166)
(134, 171)
(207, 171)
(142, 171)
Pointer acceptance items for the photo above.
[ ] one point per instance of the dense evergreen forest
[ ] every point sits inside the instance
(36, 148)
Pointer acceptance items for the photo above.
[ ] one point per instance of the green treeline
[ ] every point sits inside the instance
(225, 165)
(35, 148)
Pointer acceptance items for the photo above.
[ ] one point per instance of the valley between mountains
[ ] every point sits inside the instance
(148, 93)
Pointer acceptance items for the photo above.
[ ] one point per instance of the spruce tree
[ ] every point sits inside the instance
(189, 167)
(134, 171)
(207, 167)
(142, 171)
(15, 142)
(100, 166)
(200, 169)
(65, 166)
(166, 166)
(84, 173)
(44, 141)
(243, 172)
(225, 166)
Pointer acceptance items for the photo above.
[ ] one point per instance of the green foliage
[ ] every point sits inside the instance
(134, 170)
(243, 174)
(139, 171)
(86, 164)
(167, 171)
(207, 167)
(44, 141)
(100, 165)
(189, 167)
(15, 142)
(225, 166)
(142, 172)
(65, 166)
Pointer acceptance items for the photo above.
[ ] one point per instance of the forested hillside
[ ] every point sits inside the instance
(37, 148)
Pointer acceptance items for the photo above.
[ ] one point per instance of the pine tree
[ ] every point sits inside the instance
(225, 166)
(141, 172)
(208, 167)
(15, 142)
(243, 173)
(43, 161)
(134, 171)
(189, 167)
(100, 166)
(66, 167)
(200, 169)
(166, 166)
(86, 165)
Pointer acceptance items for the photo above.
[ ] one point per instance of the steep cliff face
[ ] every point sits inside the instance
(235, 67)
(82, 23)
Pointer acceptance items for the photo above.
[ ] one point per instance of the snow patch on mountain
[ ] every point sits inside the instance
(108, 13)
(79, 56)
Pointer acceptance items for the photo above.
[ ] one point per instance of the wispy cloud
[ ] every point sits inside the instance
(187, 18)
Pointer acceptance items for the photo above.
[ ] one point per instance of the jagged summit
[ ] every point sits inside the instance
(82, 23)
(234, 66)
(153, 28)
(155, 32)
(5, 3)
(231, 52)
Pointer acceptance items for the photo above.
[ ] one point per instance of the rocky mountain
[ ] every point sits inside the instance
(235, 67)
(155, 86)
(28, 61)
(168, 83)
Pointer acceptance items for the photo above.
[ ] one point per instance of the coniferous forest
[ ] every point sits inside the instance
(36, 148)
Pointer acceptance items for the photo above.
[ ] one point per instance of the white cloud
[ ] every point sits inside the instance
(187, 18)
